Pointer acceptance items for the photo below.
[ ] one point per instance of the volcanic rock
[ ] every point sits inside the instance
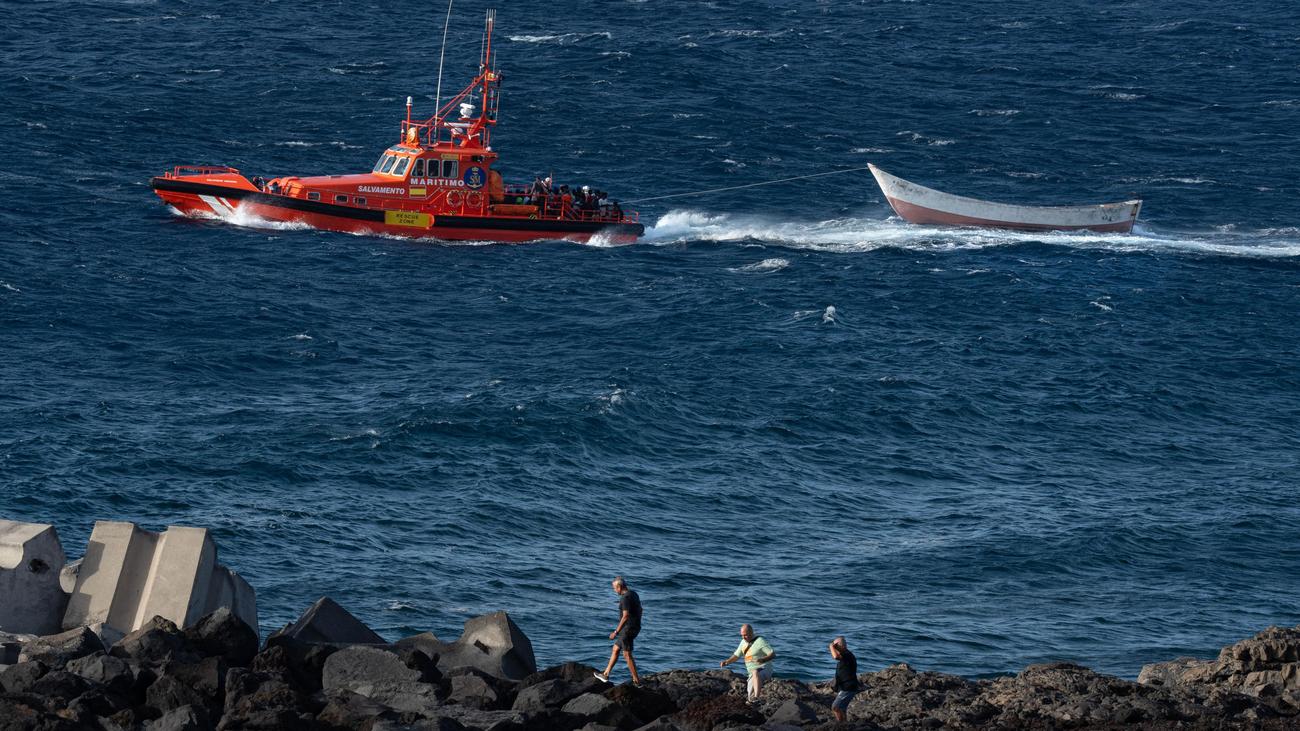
(223, 634)
(155, 642)
(57, 650)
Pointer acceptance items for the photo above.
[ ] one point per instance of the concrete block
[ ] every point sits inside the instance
(129, 576)
(31, 558)
(494, 644)
(325, 622)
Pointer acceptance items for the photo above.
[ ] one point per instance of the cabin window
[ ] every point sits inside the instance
(401, 166)
(449, 168)
(361, 201)
(388, 164)
(384, 159)
(418, 171)
(313, 196)
(339, 198)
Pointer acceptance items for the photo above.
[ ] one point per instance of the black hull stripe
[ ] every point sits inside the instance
(543, 226)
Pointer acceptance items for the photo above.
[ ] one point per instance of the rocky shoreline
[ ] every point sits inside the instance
(114, 670)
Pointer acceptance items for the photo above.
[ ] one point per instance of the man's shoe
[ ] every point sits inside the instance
(601, 677)
(637, 684)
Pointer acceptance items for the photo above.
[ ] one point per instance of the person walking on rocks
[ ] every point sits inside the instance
(758, 656)
(846, 677)
(624, 635)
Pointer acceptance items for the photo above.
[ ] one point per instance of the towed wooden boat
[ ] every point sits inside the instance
(919, 204)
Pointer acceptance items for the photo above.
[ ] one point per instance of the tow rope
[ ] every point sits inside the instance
(749, 185)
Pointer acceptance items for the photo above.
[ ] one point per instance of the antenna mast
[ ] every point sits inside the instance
(437, 95)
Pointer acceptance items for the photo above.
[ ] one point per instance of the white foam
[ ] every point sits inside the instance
(849, 235)
(9, 287)
(767, 265)
(563, 39)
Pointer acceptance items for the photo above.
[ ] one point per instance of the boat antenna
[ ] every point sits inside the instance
(437, 95)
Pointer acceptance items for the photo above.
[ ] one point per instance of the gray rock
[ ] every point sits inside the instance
(795, 713)
(167, 694)
(347, 710)
(58, 650)
(661, 724)
(473, 691)
(547, 695)
(20, 678)
(325, 622)
(106, 670)
(588, 705)
(223, 634)
(185, 718)
(365, 665)
(154, 643)
(417, 698)
(59, 684)
(262, 701)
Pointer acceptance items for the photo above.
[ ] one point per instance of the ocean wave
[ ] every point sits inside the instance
(563, 39)
(848, 235)
(775, 264)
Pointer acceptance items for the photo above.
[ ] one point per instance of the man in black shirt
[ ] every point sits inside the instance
(629, 626)
(846, 677)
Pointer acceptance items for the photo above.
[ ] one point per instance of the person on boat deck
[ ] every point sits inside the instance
(566, 202)
(587, 204)
(274, 186)
(259, 182)
(496, 187)
(604, 204)
(539, 191)
(758, 656)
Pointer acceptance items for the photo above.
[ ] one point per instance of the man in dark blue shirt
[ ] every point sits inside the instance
(846, 677)
(624, 635)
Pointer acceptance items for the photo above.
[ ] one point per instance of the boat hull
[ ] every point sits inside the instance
(239, 198)
(926, 206)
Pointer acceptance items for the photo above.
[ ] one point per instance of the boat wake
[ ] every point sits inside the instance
(244, 219)
(848, 235)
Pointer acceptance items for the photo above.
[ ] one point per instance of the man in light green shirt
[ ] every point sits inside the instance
(758, 656)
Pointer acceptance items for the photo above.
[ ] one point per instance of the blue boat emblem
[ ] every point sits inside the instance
(474, 177)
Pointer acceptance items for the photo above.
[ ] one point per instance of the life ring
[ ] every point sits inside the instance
(474, 199)
(455, 198)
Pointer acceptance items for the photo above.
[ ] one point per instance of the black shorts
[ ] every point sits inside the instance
(625, 639)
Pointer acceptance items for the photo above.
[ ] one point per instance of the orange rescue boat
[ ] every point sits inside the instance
(439, 181)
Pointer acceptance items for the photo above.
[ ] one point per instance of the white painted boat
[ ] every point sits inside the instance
(926, 206)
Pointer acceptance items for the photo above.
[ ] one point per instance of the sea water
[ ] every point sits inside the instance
(966, 450)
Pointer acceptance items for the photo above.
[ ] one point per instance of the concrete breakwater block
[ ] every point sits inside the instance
(492, 643)
(325, 622)
(130, 575)
(31, 599)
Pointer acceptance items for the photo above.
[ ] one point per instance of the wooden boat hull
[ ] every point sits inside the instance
(225, 200)
(926, 206)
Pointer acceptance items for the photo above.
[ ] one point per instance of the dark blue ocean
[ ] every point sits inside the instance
(965, 450)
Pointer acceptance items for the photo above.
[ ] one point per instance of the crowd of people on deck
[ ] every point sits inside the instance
(756, 651)
(582, 203)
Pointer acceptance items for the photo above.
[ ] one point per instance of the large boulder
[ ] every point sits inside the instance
(59, 649)
(156, 642)
(551, 695)
(355, 666)
(20, 678)
(111, 672)
(31, 558)
(223, 634)
(719, 712)
(258, 700)
(325, 622)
